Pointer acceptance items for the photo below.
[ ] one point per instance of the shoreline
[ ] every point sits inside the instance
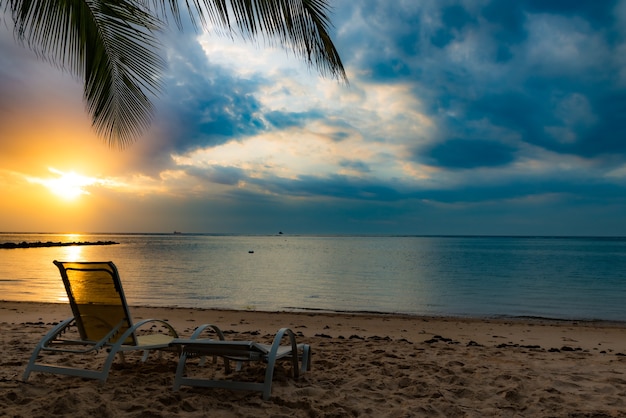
(543, 332)
(319, 311)
(368, 365)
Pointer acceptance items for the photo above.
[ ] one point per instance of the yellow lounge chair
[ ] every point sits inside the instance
(102, 319)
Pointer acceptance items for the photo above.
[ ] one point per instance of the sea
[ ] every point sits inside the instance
(569, 278)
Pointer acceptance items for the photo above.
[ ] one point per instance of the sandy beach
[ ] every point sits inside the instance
(363, 365)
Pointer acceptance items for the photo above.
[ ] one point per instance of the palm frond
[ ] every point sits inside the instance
(111, 45)
(300, 26)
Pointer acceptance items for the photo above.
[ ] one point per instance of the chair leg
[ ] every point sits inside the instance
(180, 370)
(50, 336)
(306, 358)
(271, 359)
(31, 363)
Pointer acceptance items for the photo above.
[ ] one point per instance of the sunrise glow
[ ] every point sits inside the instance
(67, 185)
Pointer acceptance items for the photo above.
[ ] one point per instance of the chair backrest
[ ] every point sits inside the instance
(97, 299)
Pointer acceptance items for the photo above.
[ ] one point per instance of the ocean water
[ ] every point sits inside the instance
(551, 277)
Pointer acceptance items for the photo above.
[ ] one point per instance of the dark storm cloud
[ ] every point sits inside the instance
(526, 94)
(460, 153)
(204, 104)
(609, 134)
(531, 192)
(335, 186)
(453, 18)
(582, 192)
(563, 121)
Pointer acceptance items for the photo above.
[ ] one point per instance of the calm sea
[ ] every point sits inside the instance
(562, 278)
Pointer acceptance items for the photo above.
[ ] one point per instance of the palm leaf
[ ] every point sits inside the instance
(122, 69)
(111, 45)
(300, 26)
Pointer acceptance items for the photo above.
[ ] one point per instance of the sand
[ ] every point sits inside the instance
(363, 365)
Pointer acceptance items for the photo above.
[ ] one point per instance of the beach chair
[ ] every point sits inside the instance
(101, 321)
(241, 351)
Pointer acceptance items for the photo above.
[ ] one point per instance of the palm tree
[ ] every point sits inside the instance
(113, 46)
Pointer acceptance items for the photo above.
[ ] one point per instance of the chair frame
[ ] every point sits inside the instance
(115, 342)
(241, 351)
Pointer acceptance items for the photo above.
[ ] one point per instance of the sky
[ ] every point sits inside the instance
(469, 117)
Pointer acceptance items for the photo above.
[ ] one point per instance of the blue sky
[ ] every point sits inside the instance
(461, 117)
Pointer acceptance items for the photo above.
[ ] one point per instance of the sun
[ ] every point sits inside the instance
(68, 186)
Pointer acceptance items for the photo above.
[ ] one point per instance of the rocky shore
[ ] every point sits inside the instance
(39, 244)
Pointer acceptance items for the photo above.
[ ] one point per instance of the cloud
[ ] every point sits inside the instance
(480, 101)
(457, 153)
(204, 104)
(479, 115)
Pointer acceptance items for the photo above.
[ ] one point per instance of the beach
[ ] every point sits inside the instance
(370, 365)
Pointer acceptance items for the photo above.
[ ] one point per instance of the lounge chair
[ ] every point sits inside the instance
(241, 351)
(101, 321)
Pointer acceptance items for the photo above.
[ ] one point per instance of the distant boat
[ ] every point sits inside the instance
(177, 232)
(280, 232)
